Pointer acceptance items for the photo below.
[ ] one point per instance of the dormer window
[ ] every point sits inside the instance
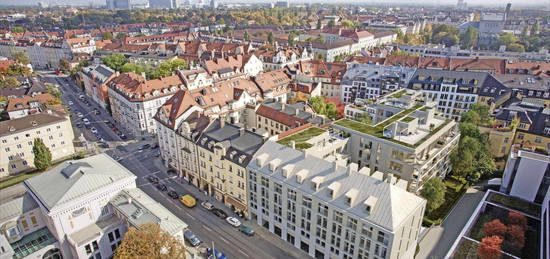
(367, 208)
(348, 201)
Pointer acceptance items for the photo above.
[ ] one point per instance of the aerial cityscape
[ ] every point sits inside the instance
(274, 129)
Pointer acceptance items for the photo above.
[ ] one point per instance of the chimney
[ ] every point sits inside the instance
(293, 144)
(241, 131)
(129, 200)
(339, 31)
(296, 111)
(222, 122)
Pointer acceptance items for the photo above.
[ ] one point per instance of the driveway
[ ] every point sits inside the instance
(437, 242)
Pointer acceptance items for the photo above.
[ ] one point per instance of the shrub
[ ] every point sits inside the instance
(489, 248)
(515, 236)
(518, 219)
(494, 228)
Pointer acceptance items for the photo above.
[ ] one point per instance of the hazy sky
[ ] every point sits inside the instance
(445, 2)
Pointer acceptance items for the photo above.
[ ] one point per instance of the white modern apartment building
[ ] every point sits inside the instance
(406, 137)
(454, 91)
(85, 215)
(17, 139)
(135, 101)
(526, 175)
(330, 211)
(370, 81)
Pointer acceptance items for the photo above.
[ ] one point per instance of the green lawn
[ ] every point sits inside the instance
(467, 249)
(301, 137)
(17, 179)
(516, 203)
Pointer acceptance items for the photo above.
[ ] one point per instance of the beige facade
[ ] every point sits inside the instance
(17, 137)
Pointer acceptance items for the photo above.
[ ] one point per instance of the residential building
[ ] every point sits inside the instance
(455, 91)
(280, 58)
(19, 107)
(328, 74)
(134, 101)
(527, 174)
(94, 202)
(224, 151)
(304, 90)
(362, 39)
(315, 141)
(163, 4)
(276, 118)
(95, 80)
(17, 139)
(370, 81)
(118, 4)
(231, 66)
(274, 85)
(330, 211)
(406, 138)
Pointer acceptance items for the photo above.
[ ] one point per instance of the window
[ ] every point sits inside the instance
(111, 237)
(33, 219)
(25, 224)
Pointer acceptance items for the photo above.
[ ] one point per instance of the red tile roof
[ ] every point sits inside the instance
(279, 117)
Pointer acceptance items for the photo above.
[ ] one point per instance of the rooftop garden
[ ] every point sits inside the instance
(516, 204)
(408, 119)
(397, 94)
(301, 137)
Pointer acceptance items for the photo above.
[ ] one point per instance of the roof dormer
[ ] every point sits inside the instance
(261, 159)
(370, 202)
(317, 181)
(333, 189)
(302, 175)
(351, 197)
(274, 164)
(287, 170)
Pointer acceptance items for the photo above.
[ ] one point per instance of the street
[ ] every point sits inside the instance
(212, 230)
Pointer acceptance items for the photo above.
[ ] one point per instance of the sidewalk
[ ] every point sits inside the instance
(439, 239)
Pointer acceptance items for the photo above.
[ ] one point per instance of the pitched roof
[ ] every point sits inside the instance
(75, 179)
(17, 207)
(272, 81)
(24, 102)
(28, 122)
(135, 87)
(280, 117)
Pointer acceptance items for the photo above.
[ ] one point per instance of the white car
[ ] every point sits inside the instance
(81, 97)
(70, 102)
(93, 130)
(233, 221)
(80, 115)
(86, 121)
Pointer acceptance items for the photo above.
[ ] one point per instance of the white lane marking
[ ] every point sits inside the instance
(207, 228)
(224, 240)
(241, 251)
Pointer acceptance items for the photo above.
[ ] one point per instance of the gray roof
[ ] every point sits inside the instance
(100, 72)
(16, 207)
(94, 230)
(290, 109)
(394, 204)
(28, 122)
(74, 179)
(140, 209)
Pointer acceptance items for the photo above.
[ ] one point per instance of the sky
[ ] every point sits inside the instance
(431, 2)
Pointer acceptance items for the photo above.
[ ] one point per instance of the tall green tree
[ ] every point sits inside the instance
(64, 64)
(131, 67)
(42, 155)
(433, 191)
(114, 61)
(246, 36)
(121, 35)
(535, 28)
(319, 24)
(22, 58)
(270, 38)
(468, 39)
(331, 24)
(107, 35)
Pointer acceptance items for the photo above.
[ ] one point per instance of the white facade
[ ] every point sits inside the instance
(527, 175)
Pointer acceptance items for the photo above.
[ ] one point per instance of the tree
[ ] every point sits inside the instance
(42, 155)
(348, 24)
(64, 64)
(53, 91)
(270, 38)
(131, 67)
(9, 81)
(107, 35)
(434, 192)
(515, 236)
(318, 104)
(507, 39)
(121, 35)
(489, 248)
(18, 29)
(365, 118)
(331, 111)
(319, 24)
(468, 39)
(21, 58)
(494, 228)
(149, 241)
(331, 24)
(114, 61)
(515, 47)
(246, 36)
(535, 29)
(515, 218)
(291, 39)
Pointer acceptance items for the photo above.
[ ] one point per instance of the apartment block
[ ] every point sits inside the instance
(406, 138)
(224, 151)
(276, 118)
(17, 137)
(95, 80)
(455, 91)
(94, 202)
(332, 211)
(370, 81)
(314, 71)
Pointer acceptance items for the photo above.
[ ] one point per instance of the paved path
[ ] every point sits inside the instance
(439, 240)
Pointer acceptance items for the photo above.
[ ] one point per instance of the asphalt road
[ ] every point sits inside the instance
(211, 229)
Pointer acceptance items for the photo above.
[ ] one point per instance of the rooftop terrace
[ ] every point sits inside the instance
(302, 137)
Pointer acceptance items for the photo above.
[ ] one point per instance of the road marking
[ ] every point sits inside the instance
(241, 251)
(224, 240)
(207, 228)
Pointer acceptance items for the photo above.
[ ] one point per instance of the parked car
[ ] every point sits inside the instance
(233, 221)
(188, 200)
(86, 121)
(122, 136)
(117, 158)
(191, 238)
(153, 179)
(104, 145)
(70, 102)
(246, 230)
(156, 145)
(215, 254)
(161, 187)
(79, 125)
(207, 205)
(220, 213)
(81, 97)
(79, 114)
(173, 194)
(93, 130)
(143, 147)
